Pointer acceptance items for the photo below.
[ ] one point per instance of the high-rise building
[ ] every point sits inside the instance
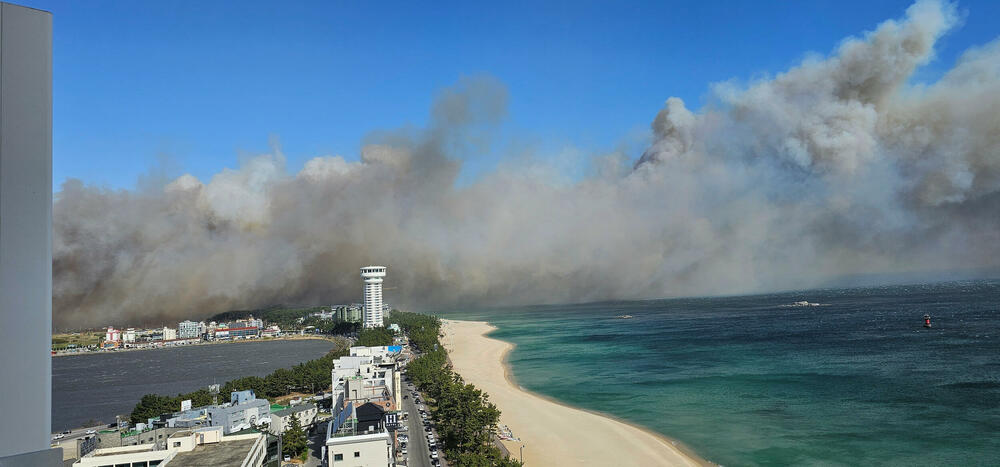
(372, 276)
(188, 330)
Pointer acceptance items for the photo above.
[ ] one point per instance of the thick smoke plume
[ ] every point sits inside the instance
(834, 167)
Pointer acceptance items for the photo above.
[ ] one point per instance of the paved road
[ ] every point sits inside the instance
(78, 433)
(418, 454)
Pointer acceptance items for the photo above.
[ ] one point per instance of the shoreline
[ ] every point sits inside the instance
(170, 347)
(638, 445)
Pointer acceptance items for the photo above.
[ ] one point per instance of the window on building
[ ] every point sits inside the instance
(177, 444)
(357, 453)
(338, 457)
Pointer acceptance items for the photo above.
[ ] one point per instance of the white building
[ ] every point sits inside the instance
(369, 374)
(373, 276)
(169, 334)
(188, 330)
(358, 437)
(129, 335)
(282, 419)
(113, 335)
(367, 450)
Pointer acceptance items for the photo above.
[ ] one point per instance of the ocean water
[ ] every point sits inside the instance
(102, 385)
(749, 381)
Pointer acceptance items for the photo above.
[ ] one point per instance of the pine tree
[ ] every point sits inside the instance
(293, 441)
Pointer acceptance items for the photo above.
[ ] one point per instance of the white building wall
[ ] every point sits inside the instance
(25, 230)
(372, 312)
(187, 330)
(374, 450)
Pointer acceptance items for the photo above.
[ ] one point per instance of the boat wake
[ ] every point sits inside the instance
(803, 303)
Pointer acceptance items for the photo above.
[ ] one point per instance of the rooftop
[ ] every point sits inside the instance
(226, 453)
(294, 409)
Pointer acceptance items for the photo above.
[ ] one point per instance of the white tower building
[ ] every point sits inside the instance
(372, 276)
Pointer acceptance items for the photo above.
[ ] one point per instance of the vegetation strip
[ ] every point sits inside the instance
(463, 415)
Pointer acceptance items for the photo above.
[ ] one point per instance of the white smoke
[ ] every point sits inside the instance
(837, 166)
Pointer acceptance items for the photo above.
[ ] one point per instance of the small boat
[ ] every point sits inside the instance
(927, 321)
(624, 316)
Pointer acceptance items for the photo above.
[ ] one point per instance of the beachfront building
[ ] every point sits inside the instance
(368, 374)
(169, 334)
(129, 336)
(112, 335)
(244, 332)
(202, 446)
(358, 437)
(373, 276)
(188, 330)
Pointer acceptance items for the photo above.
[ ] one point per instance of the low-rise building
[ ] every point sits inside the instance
(281, 420)
(186, 448)
(357, 437)
(113, 438)
(169, 334)
(243, 411)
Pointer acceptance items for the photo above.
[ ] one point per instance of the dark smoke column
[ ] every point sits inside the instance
(26, 236)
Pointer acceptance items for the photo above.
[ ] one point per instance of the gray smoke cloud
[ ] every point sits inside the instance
(836, 166)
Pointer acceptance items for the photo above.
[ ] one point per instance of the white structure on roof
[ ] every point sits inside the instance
(373, 276)
(202, 446)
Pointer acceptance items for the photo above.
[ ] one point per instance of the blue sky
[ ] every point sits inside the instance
(185, 86)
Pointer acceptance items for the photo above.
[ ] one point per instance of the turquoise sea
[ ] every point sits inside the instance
(751, 381)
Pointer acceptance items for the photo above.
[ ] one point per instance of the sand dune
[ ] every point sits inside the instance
(553, 434)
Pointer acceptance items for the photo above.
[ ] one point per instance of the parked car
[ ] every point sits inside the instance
(91, 432)
(58, 436)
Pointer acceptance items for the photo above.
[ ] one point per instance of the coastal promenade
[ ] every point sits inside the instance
(552, 434)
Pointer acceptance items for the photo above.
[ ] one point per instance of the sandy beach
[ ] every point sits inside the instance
(553, 434)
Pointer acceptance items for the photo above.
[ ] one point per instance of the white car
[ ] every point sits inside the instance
(91, 432)
(59, 436)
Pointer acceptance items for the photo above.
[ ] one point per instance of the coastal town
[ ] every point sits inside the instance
(370, 414)
(190, 332)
